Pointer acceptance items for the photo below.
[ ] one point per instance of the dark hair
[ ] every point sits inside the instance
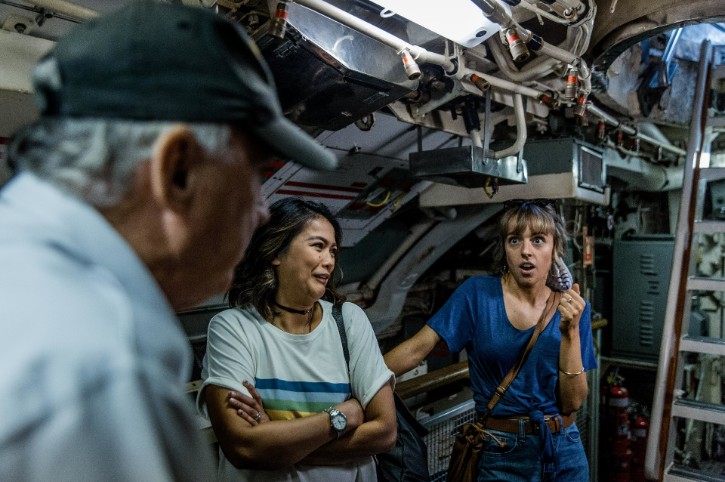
(255, 281)
(539, 215)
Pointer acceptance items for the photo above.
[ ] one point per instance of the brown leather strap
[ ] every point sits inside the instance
(552, 301)
(512, 425)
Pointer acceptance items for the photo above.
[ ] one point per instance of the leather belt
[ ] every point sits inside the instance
(511, 425)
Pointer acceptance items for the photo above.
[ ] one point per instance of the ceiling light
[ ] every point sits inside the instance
(458, 20)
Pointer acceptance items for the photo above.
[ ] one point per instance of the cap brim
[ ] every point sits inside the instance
(292, 143)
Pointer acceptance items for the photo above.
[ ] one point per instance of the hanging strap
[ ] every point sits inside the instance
(337, 314)
(552, 301)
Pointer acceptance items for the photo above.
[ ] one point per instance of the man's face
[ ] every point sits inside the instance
(229, 208)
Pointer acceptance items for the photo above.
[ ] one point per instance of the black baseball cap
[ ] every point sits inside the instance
(156, 61)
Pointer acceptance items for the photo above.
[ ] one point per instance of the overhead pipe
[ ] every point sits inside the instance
(419, 53)
(520, 116)
(611, 120)
(521, 132)
(471, 121)
(537, 67)
(543, 13)
(633, 132)
(415, 233)
(642, 175)
(432, 105)
(67, 8)
(665, 146)
(498, 14)
(650, 129)
(465, 74)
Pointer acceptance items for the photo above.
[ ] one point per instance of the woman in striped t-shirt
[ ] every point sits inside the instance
(320, 419)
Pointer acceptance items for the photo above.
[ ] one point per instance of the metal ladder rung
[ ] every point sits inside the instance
(695, 283)
(677, 473)
(705, 412)
(712, 173)
(716, 122)
(709, 346)
(709, 227)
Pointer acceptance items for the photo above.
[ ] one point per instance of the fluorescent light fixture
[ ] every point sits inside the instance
(458, 20)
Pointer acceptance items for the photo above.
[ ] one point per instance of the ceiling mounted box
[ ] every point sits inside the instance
(557, 169)
(329, 75)
(466, 166)
(584, 161)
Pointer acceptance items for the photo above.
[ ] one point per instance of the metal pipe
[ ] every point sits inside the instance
(521, 131)
(476, 139)
(640, 174)
(611, 120)
(420, 54)
(557, 53)
(537, 67)
(650, 129)
(496, 12)
(631, 131)
(432, 105)
(664, 146)
(671, 45)
(503, 84)
(538, 44)
(67, 8)
(415, 233)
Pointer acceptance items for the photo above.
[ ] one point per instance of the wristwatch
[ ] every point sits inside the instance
(338, 420)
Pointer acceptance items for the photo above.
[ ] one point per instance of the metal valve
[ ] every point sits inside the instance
(517, 47)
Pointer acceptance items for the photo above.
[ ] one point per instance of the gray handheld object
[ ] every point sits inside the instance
(559, 276)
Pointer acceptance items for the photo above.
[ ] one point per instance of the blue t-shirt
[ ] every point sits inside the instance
(474, 317)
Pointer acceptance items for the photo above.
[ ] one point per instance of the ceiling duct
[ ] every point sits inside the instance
(466, 166)
(329, 75)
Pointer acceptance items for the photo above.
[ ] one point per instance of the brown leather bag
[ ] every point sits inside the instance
(467, 447)
(468, 444)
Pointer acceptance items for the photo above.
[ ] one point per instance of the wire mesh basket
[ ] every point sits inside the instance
(442, 431)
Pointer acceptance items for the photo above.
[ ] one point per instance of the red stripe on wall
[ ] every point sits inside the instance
(322, 186)
(290, 192)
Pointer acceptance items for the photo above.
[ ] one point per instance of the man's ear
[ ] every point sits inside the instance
(174, 162)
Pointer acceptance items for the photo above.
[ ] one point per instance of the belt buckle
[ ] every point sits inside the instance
(536, 426)
(556, 422)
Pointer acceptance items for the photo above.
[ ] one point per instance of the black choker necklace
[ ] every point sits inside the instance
(292, 310)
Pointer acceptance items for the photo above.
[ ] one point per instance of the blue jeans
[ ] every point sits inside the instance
(521, 458)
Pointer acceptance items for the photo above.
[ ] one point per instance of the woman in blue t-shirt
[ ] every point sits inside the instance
(530, 434)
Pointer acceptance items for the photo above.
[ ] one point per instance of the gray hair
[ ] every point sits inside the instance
(96, 159)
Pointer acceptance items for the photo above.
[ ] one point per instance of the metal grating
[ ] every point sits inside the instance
(442, 431)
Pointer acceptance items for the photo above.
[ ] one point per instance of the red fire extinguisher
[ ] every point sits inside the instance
(640, 431)
(618, 409)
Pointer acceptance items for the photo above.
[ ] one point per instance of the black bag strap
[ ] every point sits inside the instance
(400, 406)
(337, 314)
(552, 301)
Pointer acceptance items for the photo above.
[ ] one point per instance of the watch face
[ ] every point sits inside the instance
(338, 422)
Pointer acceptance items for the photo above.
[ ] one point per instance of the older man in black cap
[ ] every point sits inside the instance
(136, 194)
